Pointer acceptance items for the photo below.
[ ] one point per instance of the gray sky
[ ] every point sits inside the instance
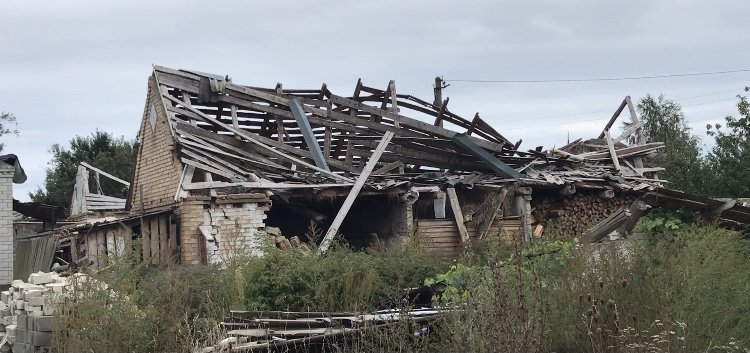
(70, 67)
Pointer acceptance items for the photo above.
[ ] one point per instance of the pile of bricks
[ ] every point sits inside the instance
(27, 310)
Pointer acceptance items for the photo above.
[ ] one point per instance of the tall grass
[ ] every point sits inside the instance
(682, 291)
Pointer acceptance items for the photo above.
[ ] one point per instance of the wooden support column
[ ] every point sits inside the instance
(349, 201)
(456, 207)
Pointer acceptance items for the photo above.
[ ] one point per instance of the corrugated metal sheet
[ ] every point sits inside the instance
(34, 255)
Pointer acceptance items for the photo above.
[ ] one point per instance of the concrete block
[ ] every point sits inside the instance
(32, 293)
(48, 309)
(19, 347)
(4, 295)
(44, 323)
(56, 287)
(18, 304)
(39, 338)
(36, 312)
(21, 321)
(35, 301)
(7, 320)
(21, 335)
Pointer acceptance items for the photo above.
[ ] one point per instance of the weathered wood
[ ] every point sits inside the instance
(612, 152)
(259, 185)
(295, 105)
(457, 214)
(105, 174)
(349, 201)
(613, 118)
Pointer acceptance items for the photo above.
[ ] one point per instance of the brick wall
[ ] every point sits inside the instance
(215, 230)
(6, 223)
(191, 217)
(157, 168)
(233, 230)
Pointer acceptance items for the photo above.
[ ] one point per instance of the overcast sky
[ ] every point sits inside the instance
(70, 67)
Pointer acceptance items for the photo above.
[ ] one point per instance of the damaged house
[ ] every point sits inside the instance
(223, 168)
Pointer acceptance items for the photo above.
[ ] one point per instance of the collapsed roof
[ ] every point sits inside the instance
(277, 138)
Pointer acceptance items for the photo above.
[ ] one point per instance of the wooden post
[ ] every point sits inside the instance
(456, 207)
(349, 201)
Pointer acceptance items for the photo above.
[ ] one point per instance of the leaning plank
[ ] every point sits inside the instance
(349, 201)
(612, 152)
(295, 105)
(456, 207)
(493, 162)
(105, 174)
(614, 118)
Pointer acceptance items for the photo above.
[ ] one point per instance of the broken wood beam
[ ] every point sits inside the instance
(295, 105)
(613, 118)
(463, 141)
(612, 152)
(349, 201)
(456, 207)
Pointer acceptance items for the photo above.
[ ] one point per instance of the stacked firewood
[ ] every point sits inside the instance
(574, 214)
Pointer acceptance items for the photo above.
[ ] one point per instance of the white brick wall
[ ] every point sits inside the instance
(233, 229)
(6, 223)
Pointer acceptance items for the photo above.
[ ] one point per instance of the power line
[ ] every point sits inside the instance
(605, 78)
(612, 110)
(597, 119)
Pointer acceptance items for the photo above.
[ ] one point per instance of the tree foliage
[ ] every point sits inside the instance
(663, 120)
(102, 150)
(729, 160)
(7, 126)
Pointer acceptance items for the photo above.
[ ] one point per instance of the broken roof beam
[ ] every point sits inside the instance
(312, 142)
(105, 174)
(412, 123)
(349, 201)
(493, 162)
(614, 116)
(247, 136)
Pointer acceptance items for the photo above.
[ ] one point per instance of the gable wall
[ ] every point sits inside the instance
(157, 168)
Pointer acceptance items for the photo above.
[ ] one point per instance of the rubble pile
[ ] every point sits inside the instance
(27, 310)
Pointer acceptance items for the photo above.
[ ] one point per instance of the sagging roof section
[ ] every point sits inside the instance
(230, 135)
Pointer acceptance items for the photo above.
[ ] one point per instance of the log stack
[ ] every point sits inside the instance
(575, 214)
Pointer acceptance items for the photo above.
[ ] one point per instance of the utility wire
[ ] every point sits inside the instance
(592, 120)
(612, 110)
(604, 78)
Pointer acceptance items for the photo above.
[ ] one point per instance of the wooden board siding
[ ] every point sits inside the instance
(159, 239)
(157, 169)
(441, 236)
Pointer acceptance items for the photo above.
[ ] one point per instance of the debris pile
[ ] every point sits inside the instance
(270, 331)
(284, 243)
(27, 310)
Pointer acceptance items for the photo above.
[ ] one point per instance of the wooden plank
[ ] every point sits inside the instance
(258, 185)
(154, 226)
(256, 140)
(174, 254)
(613, 118)
(459, 217)
(163, 238)
(105, 174)
(146, 240)
(295, 105)
(327, 142)
(612, 152)
(413, 123)
(349, 201)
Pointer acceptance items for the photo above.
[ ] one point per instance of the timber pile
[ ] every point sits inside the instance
(283, 331)
(575, 214)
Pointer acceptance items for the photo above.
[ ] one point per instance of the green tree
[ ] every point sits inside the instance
(7, 126)
(663, 120)
(729, 160)
(102, 150)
